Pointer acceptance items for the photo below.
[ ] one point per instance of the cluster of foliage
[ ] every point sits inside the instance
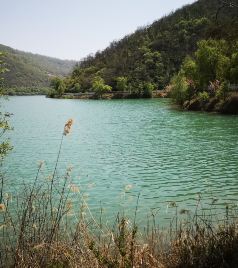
(208, 73)
(5, 145)
(99, 86)
(58, 86)
(149, 57)
(32, 70)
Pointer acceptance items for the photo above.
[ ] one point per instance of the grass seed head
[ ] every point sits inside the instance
(2, 207)
(67, 127)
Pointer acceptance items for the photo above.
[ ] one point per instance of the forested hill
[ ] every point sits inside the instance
(27, 69)
(151, 55)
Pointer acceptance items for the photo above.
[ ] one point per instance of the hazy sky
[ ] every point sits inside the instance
(72, 29)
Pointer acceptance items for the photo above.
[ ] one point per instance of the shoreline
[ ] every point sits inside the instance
(112, 95)
(229, 105)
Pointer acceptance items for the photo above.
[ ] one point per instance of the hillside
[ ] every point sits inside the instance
(27, 69)
(150, 56)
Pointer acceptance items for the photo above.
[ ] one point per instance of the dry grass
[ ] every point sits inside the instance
(44, 228)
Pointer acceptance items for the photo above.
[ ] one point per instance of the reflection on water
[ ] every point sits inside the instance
(125, 147)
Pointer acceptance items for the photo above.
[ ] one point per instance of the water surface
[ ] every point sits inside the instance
(141, 145)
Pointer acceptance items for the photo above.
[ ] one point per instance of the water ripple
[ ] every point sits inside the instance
(166, 155)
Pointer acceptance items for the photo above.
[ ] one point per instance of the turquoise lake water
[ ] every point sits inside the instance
(143, 146)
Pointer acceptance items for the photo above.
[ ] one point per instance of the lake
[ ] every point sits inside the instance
(122, 148)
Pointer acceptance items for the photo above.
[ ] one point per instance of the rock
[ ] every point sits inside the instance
(194, 105)
(230, 105)
(210, 105)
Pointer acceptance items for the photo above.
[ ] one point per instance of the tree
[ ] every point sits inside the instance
(58, 85)
(99, 86)
(234, 68)
(223, 90)
(209, 74)
(5, 145)
(225, 4)
(121, 84)
(155, 53)
(180, 88)
(148, 89)
(190, 69)
(212, 61)
(3, 69)
(77, 87)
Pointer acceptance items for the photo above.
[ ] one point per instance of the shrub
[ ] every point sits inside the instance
(51, 94)
(99, 86)
(148, 89)
(223, 91)
(180, 88)
(58, 85)
(121, 83)
(203, 96)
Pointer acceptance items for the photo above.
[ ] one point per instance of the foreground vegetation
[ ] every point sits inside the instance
(51, 225)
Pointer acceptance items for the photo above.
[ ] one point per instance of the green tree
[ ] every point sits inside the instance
(190, 69)
(155, 53)
(148, 89)
(180, 88)
(209, 74)
(121, 83)
(212, 61)
(58, 85)
(223, 90)
(5, 145)
(3, 69)
(77, 87)
(203, 97)
(234, 68)
(99, 86)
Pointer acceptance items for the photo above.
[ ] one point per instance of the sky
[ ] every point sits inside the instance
(73, 29)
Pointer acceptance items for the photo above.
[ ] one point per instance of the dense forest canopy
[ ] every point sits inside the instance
(148, 58)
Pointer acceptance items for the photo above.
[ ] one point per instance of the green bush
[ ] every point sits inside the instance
(234, 67)
(121, 83)
(58, 85)
(148, 89)
(51, 94)
(203, 96)
(180, 88)
(223, 91)
(99, 86)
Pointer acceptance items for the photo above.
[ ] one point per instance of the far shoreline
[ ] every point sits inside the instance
(227, 107)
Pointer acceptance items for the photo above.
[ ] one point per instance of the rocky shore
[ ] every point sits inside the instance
(227, 106)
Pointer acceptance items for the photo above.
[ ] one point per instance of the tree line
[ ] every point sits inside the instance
(147, 59)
